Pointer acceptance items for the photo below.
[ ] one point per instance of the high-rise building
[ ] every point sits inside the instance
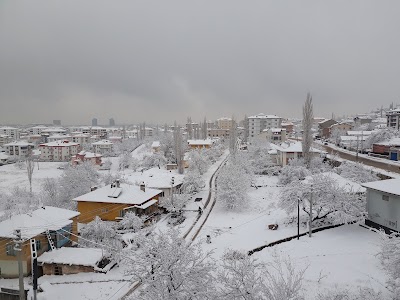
(112, 122)
(94, 122)
(393, 118)
(257, 123)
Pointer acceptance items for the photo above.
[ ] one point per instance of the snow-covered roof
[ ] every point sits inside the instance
(391, 142)
(60, 143)
(353, 132)
(156, 178)
(103, 142)
(59, 136)
(19, 143)
(264, 116)
(89, 257)
(297, 147)
(155, 144)
(3, 156)
(37, 222)
(353, 138)
(127, 194)
(89, 154)
(7, 128)
(80, 134)
(391, 186)
(53, 129)
(344, 183)
(200, 142)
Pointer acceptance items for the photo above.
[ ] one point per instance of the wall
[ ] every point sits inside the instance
(386, 213)
(106, 211)
(48, 269)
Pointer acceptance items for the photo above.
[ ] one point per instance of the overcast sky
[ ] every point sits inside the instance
(157, 61)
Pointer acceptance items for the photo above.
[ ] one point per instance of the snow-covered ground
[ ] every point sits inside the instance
(11, 176)
(343, 256)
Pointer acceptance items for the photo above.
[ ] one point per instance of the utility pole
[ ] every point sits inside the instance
(357, 148)
(298, 217)
(310, 221)
(18, 248)
(172, 190)
(34, 268)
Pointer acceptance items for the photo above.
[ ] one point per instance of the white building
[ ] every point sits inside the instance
(273, 135)
(95, 130)
(18, 149)
(36, 130)
(58, 151)
(260, 122)
(12, 132)
(81, 138)
(53, 131)
(103, 146)
(224, 123)
(4, 139)
(58, 137)
(294, 151)
(393, 118)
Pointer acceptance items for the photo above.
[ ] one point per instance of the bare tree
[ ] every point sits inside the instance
(204, 128)
(30, 166)
(189, 128)
(233, 137)
(308, 118)
(246, 128)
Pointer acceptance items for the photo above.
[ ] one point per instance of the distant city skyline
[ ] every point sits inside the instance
(140, 62)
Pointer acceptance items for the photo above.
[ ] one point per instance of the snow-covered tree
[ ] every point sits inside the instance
(124, 161)
(233, 184)
(192, 182)
(330, 202)
(291, 174)
(336, 133)
(317, 164)
(364, 293)
(233, 136)
(380, 136)
(30, 167)
(131, 222)
(100, 234)
(171, 268)
(262, 162)
(356, 172)
(17, 201)
(199, 161)
(389, 256)
(75, 181)
(308, 119)
(178, 147)
(243, 277)
(240, 277)
(154, 160)
(176, 203)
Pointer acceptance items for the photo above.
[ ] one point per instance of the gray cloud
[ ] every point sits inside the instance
(157, 61)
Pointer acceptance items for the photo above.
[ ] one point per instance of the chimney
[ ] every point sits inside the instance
(142, 186)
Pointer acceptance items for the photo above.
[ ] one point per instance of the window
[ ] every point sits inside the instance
(385, 197)
(10, 250)
(104, 210)
(38, 245)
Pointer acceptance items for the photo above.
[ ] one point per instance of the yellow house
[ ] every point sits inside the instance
(199, 144)
(113, 201)
(59, 223)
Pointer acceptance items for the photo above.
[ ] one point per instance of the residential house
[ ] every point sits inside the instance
(95, 130)
(156, 146)
(85, 156)
(12, 132)
(256, 124)
(200, 144)
(273, 135)
(114, 200)
(5, 139)
(324, 128)
(115, 139)
(36, 130)
(289, 126)
(18, 149)
(341, 126)
(53, 131)
(292, 151)
(44, 224)
(383, 204)
(61, 150)
(219, 133)
(69, 260)
(58, 137)
(362, 120)
(80, 138)
(103, 146)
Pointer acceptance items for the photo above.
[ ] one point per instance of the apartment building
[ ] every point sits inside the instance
(224, 123)
(261, 121)
(12, 132)
(18, 149)
(95, 130)
(393, 118)
(36, 130)
(103, 146)
(58, 151)
(80, 138)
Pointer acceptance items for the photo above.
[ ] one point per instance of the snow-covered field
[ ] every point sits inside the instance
(343, 256)
(11, 176)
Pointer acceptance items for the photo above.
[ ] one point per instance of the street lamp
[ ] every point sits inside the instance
(172, 190)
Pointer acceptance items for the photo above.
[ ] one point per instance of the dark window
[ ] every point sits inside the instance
(10, 250)
(385, 197)
(38, 245)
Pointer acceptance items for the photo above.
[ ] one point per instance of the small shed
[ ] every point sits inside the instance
(68, 260)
